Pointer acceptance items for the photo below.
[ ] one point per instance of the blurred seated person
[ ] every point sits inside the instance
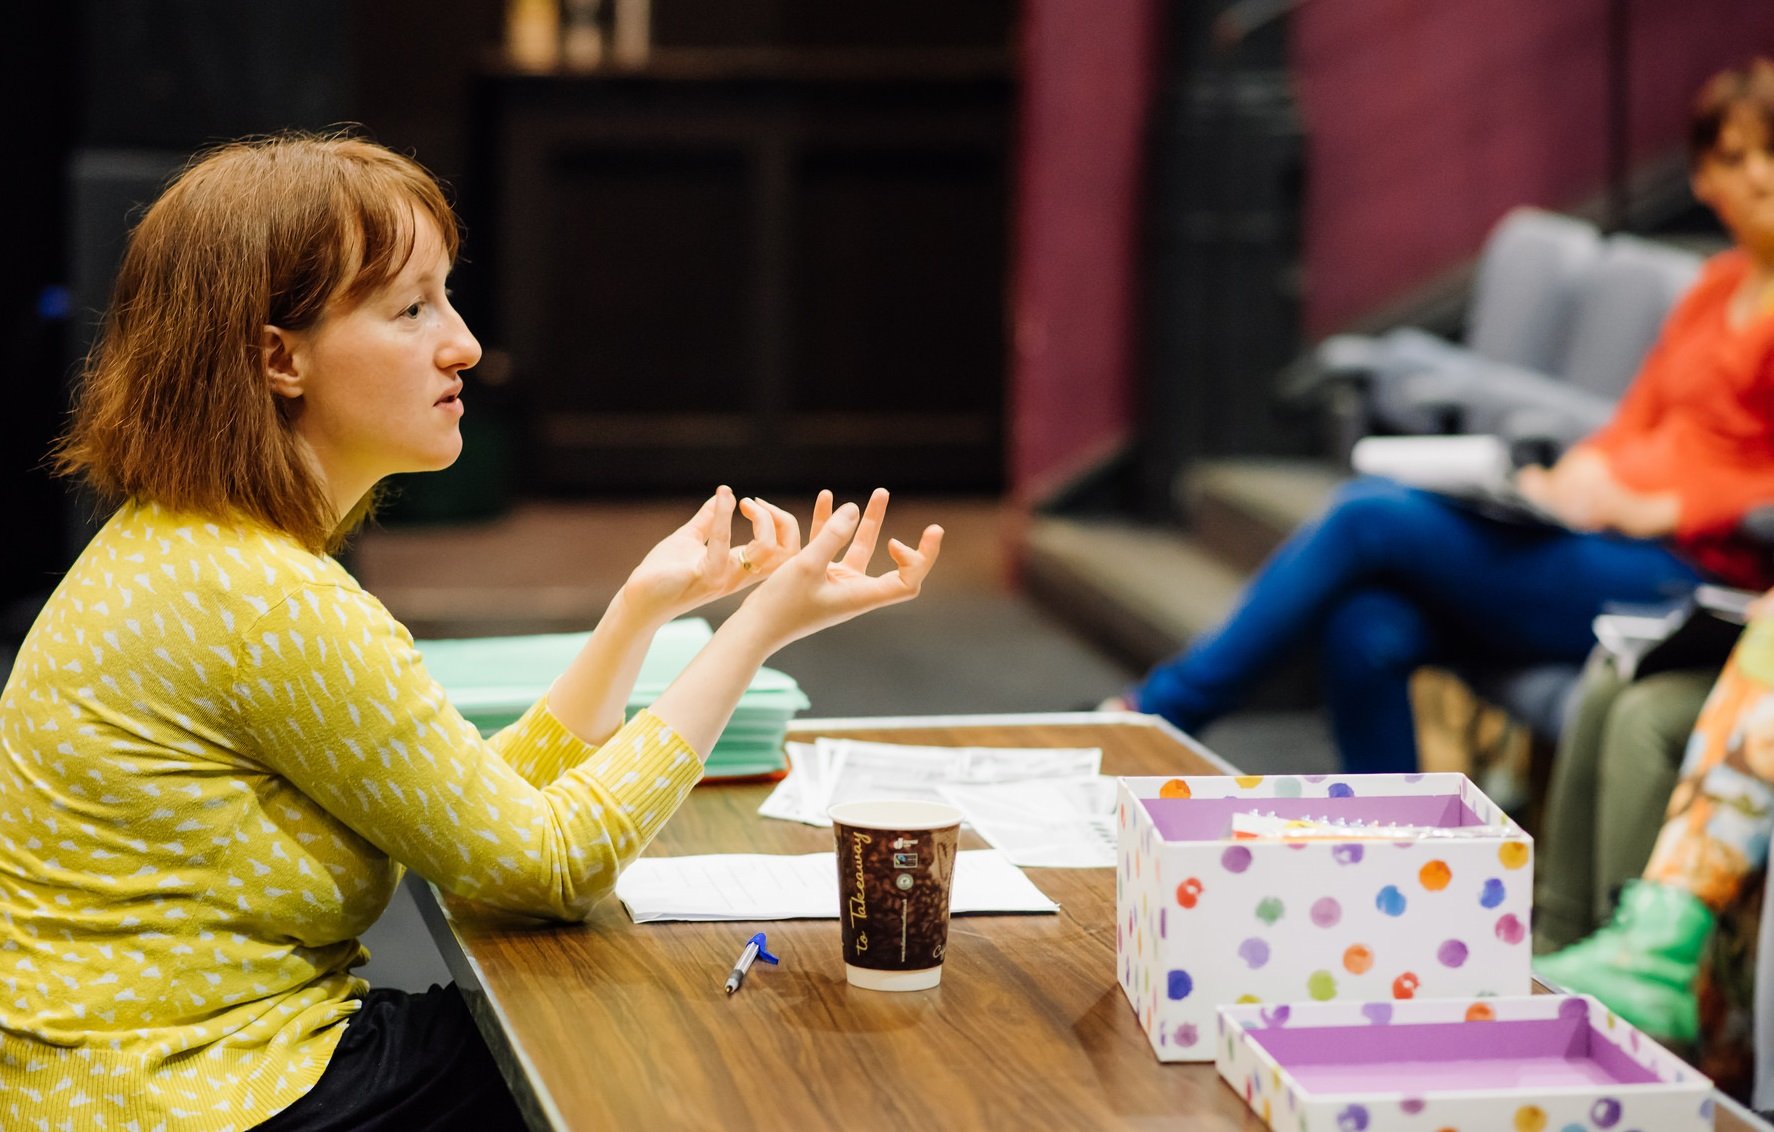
(218, 753)
(1617, 765)
(1390, 577)
(1643, 963)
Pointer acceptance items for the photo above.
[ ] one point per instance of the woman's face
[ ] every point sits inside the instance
(1736, 180)
(378, 386)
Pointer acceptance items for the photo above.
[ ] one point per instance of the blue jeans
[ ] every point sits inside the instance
(1390, 578)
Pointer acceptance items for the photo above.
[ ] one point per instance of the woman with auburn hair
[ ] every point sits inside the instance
(218, 753)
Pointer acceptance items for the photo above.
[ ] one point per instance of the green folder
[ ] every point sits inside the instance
(494, 680)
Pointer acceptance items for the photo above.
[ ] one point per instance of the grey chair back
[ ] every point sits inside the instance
(1621, 305)
(1525, 288)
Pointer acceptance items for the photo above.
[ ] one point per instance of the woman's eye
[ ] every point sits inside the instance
(412, 310)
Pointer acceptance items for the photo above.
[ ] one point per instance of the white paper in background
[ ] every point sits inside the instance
(1437, 463)
(1066, 823)
(797, 795)
(852, 770)
(765, 886)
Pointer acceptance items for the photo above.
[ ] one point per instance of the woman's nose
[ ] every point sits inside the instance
(460, 349)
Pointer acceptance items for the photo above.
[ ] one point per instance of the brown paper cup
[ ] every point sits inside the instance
(896, 865)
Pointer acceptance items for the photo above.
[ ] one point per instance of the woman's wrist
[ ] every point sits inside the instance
(634, 613)
(751, 635)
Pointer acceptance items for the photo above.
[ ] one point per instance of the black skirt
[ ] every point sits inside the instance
(406, 1062)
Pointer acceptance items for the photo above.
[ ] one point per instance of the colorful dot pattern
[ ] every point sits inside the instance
(1318, 922)
(1679, 1102)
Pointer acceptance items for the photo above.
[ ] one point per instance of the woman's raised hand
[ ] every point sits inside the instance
(821, 585)
(828, 582)
(697, 563)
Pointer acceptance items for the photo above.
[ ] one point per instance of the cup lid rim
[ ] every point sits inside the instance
(896, 813)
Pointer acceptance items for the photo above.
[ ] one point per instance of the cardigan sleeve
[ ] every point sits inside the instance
(333, 696)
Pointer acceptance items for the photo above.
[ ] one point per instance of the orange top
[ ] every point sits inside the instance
(1699, 420)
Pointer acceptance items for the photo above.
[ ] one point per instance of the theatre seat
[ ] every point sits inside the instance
(1520, 315)
(1622, 299)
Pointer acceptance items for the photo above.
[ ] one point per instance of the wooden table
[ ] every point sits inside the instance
(610, 1024)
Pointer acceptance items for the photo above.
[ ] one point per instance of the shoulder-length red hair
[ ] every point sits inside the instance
(176, 406)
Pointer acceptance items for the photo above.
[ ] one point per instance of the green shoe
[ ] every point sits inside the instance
(1642, 963)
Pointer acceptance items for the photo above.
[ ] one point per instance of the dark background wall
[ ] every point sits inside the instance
(38, 78)
(1088, 73)
(1426, 122)
(120, 92)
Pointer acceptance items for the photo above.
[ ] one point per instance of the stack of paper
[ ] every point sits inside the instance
(756, 886)
(1043, 806)
(1473, 470)
(494, 680)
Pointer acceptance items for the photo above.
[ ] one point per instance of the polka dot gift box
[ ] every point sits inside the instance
(1408, 886)
(1533, 1063)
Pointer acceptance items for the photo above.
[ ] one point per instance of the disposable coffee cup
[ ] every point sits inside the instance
(896, 866)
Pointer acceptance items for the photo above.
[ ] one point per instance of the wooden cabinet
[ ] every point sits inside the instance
(774, 269)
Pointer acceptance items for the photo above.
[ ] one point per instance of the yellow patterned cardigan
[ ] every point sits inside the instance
(217, 753)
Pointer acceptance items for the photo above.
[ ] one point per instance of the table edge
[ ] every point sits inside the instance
(535, 1103)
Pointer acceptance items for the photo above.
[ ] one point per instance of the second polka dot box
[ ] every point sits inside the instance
(1428, 895)
(1538, 1063)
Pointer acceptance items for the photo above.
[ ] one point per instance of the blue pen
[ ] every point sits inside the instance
(754, 949)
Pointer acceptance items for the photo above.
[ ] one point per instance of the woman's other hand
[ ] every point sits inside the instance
(697, 563)
(1582, 492)
(828, 582)
(1574, 488)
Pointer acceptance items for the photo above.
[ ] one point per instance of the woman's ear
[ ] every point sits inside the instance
(277, 347)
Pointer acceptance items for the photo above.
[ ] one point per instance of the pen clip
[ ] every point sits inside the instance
(762, 954)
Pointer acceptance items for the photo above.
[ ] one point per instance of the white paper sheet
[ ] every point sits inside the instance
(1066, 823)
(830, 771)
(1435, 463)
(761, 886)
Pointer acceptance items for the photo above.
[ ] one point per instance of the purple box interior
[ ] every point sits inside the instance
(1210, 819)
(1526, 1054)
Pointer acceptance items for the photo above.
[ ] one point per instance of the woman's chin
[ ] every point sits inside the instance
(446, 455)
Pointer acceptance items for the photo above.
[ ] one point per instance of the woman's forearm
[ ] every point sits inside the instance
(590, 698)
(699, 702)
